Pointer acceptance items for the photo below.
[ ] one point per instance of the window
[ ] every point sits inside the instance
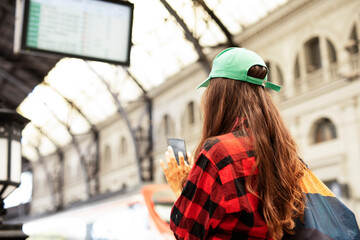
(297, 76)
(312, 54)
(275, 75)
(280, 81)
(331, 51)
(191, 113)
(324, 130)
(123, 146)
(167, 125)
(280, 78)
(297, 68)
(269, 78)
(332, 59)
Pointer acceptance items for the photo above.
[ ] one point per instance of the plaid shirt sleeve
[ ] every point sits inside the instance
(214, 203)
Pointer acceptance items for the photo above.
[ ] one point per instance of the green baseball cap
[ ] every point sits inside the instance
(234, 63)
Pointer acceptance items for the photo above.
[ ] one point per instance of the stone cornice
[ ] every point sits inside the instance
(275, 18)
(305, 98)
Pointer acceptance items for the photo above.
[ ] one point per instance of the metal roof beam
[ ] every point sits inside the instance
(77, 148)
(150, 129)
(51, 181)
(188, 34)
(135, 80)
(74, 106)
(58, 148)
(15, 81)
(218, 22)
(9, 8)
(150, 122)
(123, 113)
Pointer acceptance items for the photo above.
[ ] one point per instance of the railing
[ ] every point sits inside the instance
(315, 78)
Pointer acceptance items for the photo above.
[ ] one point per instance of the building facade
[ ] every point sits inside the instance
(312, 50)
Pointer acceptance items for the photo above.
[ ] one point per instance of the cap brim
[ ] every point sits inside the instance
(204, 83)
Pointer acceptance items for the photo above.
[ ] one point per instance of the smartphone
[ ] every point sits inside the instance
(178, 145)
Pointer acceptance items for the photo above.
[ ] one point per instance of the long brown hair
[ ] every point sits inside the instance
(280, 170)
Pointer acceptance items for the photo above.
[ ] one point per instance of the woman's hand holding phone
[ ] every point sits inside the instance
(174, 172)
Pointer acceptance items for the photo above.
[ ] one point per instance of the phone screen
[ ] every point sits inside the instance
(178, 145)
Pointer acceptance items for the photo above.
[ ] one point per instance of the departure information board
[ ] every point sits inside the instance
(91, 29)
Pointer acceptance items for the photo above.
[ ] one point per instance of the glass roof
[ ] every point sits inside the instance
(75, 94)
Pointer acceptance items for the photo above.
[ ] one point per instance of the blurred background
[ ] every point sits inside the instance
(104, 83)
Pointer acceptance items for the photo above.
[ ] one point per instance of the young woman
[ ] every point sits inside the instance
(246, 180)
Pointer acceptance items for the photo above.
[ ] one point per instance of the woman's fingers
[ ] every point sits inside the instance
(167, 157)
(171, 152)
(190, 158)
(171, 161)
(165, 169)
(172, 165)
(181, 159)
(173, 168)
(163, 165)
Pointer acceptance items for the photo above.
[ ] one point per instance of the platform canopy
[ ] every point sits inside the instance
(67, 97)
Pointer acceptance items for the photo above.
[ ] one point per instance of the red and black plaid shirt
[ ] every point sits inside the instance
(215, 203)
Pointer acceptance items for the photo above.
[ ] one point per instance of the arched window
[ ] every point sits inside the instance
(189, 119)
(331, 51)
(166, 123)
(191, 113)
(324, 130)
(297, 73)
(167, 126)
(280, 78)
(280, 81)
(268, 64)
(332, 58)
(312, 54)
(275, 75)
(123, 147)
